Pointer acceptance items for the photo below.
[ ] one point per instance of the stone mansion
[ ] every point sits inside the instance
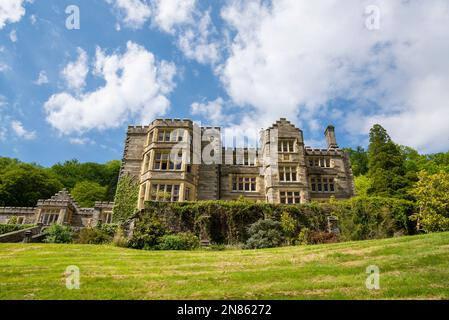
(175, 160)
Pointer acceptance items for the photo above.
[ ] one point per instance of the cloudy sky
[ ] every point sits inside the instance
(70, 93)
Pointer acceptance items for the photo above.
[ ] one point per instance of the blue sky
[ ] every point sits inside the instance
(68, 94)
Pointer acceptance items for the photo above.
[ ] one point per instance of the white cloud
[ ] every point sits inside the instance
(11, 11)
(196, 44)
(290, 58)
(21, 132)
(3, 67)
(135, 12)
(212, 110)
(81, 141)
(42, 78)
(13, 36)
(136, 86)
(75, 73)
(170, 13)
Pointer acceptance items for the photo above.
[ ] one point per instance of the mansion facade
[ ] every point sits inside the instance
(175, 160)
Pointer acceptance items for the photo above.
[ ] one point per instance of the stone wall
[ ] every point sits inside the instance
(28, 214)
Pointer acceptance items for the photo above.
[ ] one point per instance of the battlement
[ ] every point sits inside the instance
(17, 210)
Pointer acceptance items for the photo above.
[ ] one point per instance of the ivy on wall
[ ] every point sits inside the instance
(228, 221)
(126, 197)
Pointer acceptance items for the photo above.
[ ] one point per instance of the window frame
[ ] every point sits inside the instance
(286, 195)
(244, 184)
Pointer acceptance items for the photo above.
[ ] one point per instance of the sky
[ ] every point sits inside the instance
(74, 74)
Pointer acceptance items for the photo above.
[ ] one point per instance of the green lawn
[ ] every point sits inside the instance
(411, 268)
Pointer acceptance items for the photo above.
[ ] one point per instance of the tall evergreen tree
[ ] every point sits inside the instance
(386, 165)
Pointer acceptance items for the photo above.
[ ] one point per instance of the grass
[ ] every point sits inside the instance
(410, 268)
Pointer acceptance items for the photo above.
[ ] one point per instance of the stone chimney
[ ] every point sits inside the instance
(330, 137)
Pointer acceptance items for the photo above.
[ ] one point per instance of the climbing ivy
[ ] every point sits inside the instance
(126, 197)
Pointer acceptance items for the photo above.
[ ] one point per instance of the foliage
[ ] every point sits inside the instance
(386, 166)
(101, 234)
(265, 234)
(432, 196)
(72, 172)
(119, 239)
(7, 228)
(289, 226)
(362, 185)
(93, 236)
(180, 241)
(363, 218)
(147, 233)
(12, 220)
(227, 222)
(25, 184)
(58, 234)
(359, 161)
(126, 199)
(86, 193)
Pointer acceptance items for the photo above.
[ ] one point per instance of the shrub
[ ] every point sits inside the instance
(58, 234)
(147, 232)
(289, 226)
(119, 239)
(93, 236)
(180, 241)
(12, 220)
(264, 234)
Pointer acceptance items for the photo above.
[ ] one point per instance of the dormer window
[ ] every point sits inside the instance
(286, 146)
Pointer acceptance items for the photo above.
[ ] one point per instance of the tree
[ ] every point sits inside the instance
(86, 193)
(359, 161)
(386, 166)
(22, 185)
(125, 204)
(432, 196)
(362, 185)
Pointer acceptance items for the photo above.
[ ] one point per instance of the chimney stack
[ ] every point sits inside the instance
(330, 138)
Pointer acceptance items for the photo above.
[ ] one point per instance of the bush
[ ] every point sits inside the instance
(147, 233)
(265, 234)
(101, 234)
(93, 236)
(58, 234)
(119, 239)
(180, 241)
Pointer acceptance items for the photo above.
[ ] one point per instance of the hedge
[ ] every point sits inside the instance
(228, 221)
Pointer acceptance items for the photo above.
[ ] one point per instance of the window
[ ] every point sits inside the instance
(322, 184)
(165, 192)
(323, 162)
(142, 194)
(290, 197)
(287, 174)
(163, 161)
(243, 184)
(150, 138)
(244, 158)
(176, 135)
(187, 194)
(49, 217)
(286, 146)
(146, 163)
(108, 217)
